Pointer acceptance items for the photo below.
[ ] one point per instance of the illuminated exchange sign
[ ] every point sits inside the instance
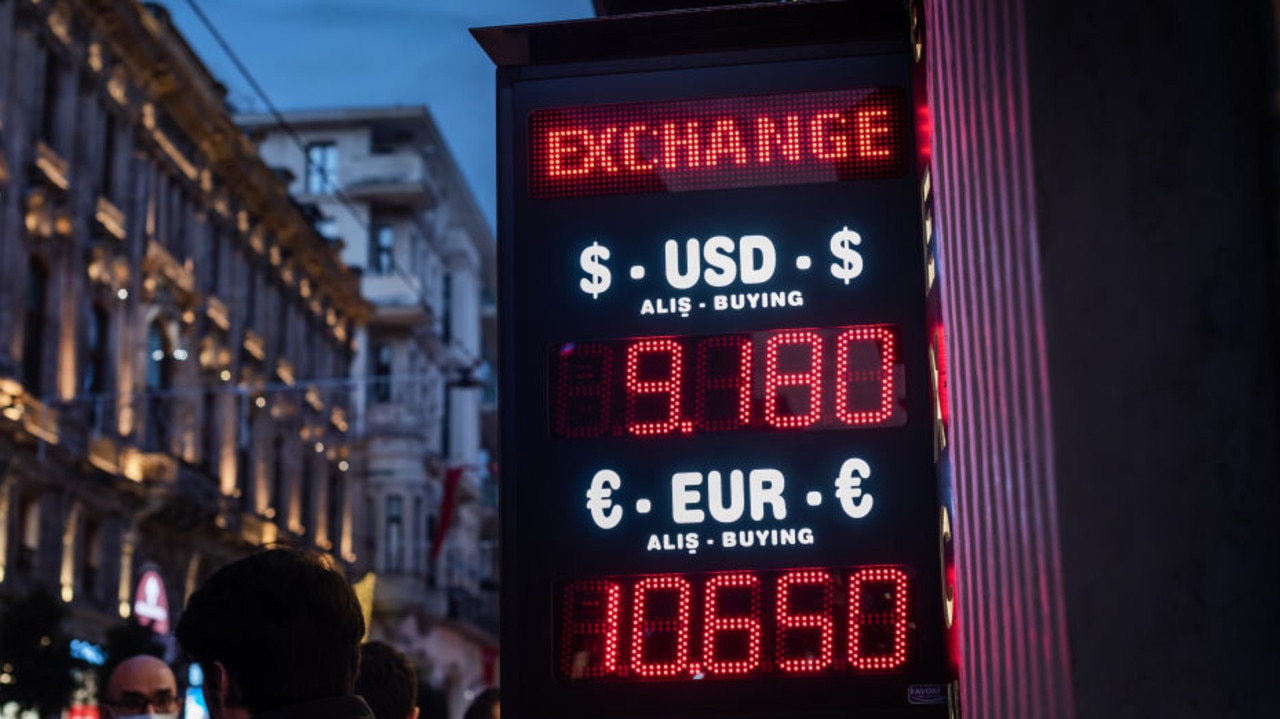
(718, 143)
(718, 406)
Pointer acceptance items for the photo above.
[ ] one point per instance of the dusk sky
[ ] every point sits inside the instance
(311, 54)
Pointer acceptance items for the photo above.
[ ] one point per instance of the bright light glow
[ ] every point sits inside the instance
(180, 354)
(225, 375)
(343, 466)
(319, 447)
(260, 402)
(157, 355)
(122, 293)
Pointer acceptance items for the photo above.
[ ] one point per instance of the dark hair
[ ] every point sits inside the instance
(284, 622)
(387, 681)
(482, 706)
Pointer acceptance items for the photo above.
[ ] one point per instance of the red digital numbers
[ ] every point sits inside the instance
(642, 386)
(802, 379)
(793, 399)
(690, 626)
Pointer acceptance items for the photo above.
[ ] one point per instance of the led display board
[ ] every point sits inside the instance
(720, 494)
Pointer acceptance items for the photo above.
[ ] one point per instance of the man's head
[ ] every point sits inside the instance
(387, 681)
(140, 686)
(273, 629)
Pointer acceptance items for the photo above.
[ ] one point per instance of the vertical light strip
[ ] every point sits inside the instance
(1010, 594)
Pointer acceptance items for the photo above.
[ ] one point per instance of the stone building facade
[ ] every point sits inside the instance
(387, 189)
(174, 335)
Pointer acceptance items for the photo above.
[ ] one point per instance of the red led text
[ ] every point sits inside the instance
(709, 144)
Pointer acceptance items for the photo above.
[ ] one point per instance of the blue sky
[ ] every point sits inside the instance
(309, 54)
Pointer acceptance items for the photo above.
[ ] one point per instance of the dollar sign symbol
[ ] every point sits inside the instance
(600, 278)
(850, 264)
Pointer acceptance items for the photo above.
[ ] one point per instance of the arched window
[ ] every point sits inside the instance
(159, 382)
(34, 326)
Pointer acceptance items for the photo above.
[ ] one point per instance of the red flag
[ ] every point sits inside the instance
(451, 478)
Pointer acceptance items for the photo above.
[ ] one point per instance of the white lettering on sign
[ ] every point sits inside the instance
(754, 264)
(598, 276)
(752, 300)
(764, 490)
(604, 512)
(853, 501)
(766, 537)
(729, 497)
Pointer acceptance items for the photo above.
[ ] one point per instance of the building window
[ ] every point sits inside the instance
(28, 533)
(381, 372)
(91, 558)
(52, 92)
(278, 478)
(159, 382)
(96, 364)
(395, 536)
(34, 326)
(107, 176)
(212, 432)
(305, 500)
(334, 530)
(446, 307)
(322, 168)
(382, 250)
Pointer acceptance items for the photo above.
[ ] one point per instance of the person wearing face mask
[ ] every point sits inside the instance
(141, 687)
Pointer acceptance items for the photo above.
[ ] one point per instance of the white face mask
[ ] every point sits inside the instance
(148, 716)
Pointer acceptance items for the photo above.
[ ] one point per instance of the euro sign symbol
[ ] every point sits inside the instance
(848, 488)
(599, 276)
(850, 264)
(604, 512)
